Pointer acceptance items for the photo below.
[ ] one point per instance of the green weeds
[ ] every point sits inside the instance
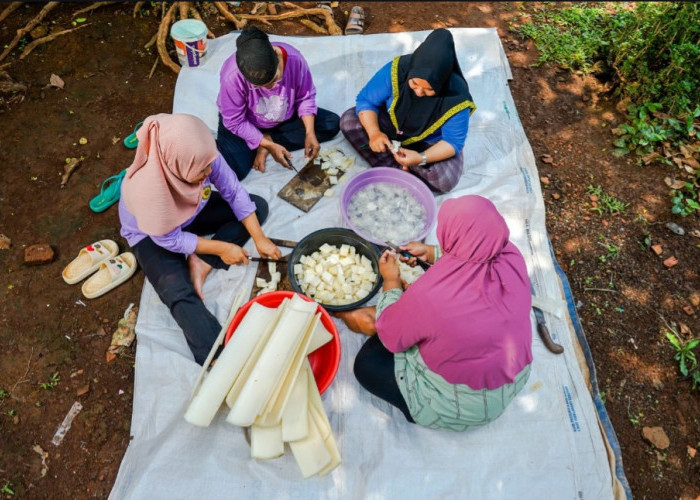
(686, 357)
(606, 203)
(53, 381)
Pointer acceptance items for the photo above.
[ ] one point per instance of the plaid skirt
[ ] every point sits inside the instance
(441, 176)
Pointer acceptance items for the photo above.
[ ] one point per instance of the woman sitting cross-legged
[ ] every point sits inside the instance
(421, 100)
(167, 203)
(267, 105)
(453, 349)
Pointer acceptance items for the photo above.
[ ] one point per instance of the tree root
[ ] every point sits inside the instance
(313, 26)
(90, 8)
(137, 8)
(29, 27)
(9, 86)
(333, 28)
(153, 68)
(46, 39)
(163, 36)
(184, 8)
(195, 14)
(69, 168)
(9, 10)
(238, 23)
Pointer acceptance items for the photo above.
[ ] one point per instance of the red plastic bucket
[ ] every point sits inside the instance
(324, 360)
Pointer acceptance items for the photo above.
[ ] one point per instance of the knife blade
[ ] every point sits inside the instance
(423, 264)
(542, 329)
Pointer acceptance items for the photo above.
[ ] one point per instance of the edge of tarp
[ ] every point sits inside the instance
(622, 487)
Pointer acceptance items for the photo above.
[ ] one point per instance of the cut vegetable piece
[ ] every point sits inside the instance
(275, 406)
(311, 453)
(218, 382)
(320, 419)
(266, 442)
(320, 337)
(254, 355)
(295, 419)
(267, 372)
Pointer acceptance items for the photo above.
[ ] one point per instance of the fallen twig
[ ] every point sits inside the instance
(239, 23)
(153, 69)
(22, 379)
(29, 27)
(69, 168)
(90, 7)
(9, 9)
(46, 39)
(599, 290)
(162, 37)
(151, 41)
(9, 86)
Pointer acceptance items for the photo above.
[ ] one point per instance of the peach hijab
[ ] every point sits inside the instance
(157, 188)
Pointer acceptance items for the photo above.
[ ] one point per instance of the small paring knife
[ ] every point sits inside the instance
(423, 264)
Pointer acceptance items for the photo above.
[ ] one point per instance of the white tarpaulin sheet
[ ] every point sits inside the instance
(547, 445)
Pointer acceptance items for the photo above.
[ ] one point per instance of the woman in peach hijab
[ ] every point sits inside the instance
(167, 203)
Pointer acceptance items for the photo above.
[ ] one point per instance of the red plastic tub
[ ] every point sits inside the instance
(325, 360)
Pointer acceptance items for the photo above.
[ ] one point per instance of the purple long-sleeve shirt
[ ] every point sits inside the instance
(179, 241)
(246, 109)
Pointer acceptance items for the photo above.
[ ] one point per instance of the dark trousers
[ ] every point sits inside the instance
(374, 370)
(169, 273)
(290, 134)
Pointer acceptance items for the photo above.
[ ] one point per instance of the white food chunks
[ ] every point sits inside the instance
(275, 278)
(335, 276)
(334, 162)
(409, 274)
(387, 212)
(395, 146)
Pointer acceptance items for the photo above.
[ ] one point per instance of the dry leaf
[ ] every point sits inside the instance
(44, 455)
(685, 151)
(650, 157)
(695, 232)
(674, 184)
(56, 81)
(692, 162)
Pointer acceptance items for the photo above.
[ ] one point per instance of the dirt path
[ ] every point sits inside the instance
(626, 295)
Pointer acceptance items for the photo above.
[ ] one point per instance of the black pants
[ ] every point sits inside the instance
(169, 274)
(290, 134)
(374, 370)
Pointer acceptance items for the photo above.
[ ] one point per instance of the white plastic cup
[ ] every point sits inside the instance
(190, 37)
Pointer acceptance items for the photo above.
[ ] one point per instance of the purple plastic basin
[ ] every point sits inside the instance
(390, 176)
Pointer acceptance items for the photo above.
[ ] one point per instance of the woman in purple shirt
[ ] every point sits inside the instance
(267, 105)
(167, 203)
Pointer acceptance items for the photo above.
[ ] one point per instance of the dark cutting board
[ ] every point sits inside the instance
(264, 273)
(307, 187)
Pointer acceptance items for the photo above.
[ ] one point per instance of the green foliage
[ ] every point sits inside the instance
(6, 490)
(606, 203)
(686, 357)
(53, 381)
(651, 51)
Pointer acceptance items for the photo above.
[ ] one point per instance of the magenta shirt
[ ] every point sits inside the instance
(179, 241)
(245, 109)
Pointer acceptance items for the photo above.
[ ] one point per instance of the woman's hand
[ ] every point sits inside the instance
(420, 250)
(311, 145)
(233, 254)
(280, 154)
(407, 158)
(389, 269)
(379, 142)
(267, 249)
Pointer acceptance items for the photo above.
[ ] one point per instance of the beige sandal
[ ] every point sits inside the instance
(113, 272)
(356, 21)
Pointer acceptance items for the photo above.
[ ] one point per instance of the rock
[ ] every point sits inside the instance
(657, 249)
(670, 262)
(83, 390)
(657, 437)
(547, 159)
(556, 196)
(5, 242)
(658, 384)
(36, 255)
(593, 198)
(544, 180)
(691, 451)
(676, 228)
(695, 299)
(688, 310)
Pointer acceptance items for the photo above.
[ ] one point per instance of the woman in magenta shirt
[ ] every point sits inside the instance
(267, 105)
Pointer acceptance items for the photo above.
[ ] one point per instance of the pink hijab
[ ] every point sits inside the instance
(172, 150)
(469, 314)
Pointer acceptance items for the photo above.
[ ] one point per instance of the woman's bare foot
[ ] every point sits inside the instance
(259, 161)
(198, 273)
(359, 320)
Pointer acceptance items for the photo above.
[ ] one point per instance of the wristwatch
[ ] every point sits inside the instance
(424, 160)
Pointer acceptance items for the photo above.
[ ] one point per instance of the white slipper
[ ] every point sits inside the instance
(88, 260)
(112, 273)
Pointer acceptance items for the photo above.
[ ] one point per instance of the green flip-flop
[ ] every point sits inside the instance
(109, 193)
(131, 141)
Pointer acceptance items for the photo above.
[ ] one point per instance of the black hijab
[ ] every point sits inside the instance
(434, 60)
(255, 57)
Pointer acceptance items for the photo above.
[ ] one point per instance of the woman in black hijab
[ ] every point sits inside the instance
(421, 100)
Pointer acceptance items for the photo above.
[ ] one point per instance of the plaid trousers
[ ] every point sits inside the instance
(441, 176)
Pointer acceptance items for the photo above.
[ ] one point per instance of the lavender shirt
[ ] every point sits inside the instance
(179, 241)
(245, 108)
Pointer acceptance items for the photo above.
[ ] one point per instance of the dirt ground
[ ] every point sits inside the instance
(626, 296)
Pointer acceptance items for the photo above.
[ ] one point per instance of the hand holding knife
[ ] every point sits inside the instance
(423, 264)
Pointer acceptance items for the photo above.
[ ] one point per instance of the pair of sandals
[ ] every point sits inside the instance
(356, 19)
(110, 191)
(110, 270)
